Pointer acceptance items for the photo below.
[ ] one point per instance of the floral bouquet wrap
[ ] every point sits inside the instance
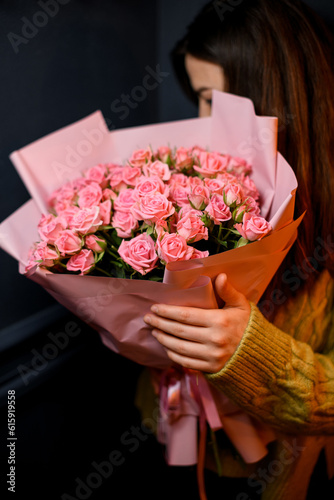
(120, 220)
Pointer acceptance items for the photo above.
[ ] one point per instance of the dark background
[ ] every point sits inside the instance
(73, 410)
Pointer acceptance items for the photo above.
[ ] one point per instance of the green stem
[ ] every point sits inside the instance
(219, 237)
(227, 233)
(103, 271)
(115, 255)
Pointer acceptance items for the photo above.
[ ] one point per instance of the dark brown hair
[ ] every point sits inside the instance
(279, 54)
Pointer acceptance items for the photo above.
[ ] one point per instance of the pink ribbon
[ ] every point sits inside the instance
(186, 400)
(185, 397)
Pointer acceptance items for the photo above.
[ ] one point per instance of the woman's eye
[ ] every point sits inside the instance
(207, 101)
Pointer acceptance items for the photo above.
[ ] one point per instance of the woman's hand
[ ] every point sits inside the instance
(202, 339)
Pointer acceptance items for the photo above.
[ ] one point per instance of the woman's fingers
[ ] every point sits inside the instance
(188, 354)
(202, 339)
(179, 345)
(175, 327)
(189, 315)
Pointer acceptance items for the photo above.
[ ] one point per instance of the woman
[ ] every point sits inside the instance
(274, 360)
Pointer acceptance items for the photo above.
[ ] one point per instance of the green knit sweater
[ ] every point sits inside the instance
(282, 374)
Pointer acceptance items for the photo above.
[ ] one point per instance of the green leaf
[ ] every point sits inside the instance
(99, 257)
(205, 218)
(117, 264)
(222, 243)
(234, 231)
(120, 273)
(155, 278)
(149, 230)
(242, 242)
(102, 244)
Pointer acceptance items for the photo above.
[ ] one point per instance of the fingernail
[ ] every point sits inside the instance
(154, 309)
(147, 319)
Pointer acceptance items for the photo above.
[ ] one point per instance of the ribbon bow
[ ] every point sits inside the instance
(186, 399)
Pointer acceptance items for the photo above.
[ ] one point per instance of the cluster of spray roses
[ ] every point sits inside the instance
(161, 206)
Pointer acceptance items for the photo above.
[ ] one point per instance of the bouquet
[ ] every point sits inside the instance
(129, 221)
(206, 201)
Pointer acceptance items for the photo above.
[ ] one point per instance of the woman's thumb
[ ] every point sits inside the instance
(228, 293)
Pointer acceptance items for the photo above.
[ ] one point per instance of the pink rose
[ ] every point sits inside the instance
(64, 195)
(197, 150)
(61, 205)
(125, 200)
(233, 193)
(199, 196)
(249, 205)
(130, 175)
(191, 227)
(252, 206)
(253, 227)
(92, 242)
(140, 157)
(68, 242)
(218, 210)
(179, 194)
(239, 166)
(45, 255)
(179, 189)
(113, 166)
(90, 196)
(152, 207)
(150, 185)
(163, 153)
(139, 253)
(183, 159)
(185, 209)
(195, 181)
(31, 264)
(158, 169)
(215, 186)
(226, 178)
(249, 187)
(198, 254)
(68, 213)
(160, 229)
(87, 220)
(83, 262)
(116, 179)
(80, 183)
(210, 164)
(179, 180)
(108, 194)
(49, 227)
(161, 226)
(124, 223)
(105, 212)
(97, 174)
(173, 247)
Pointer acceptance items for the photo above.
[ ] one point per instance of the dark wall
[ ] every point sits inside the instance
(80, 58)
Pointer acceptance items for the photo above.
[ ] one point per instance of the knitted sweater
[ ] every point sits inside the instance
(282, 374)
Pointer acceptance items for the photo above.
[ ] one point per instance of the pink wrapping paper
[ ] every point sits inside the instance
(115, 307)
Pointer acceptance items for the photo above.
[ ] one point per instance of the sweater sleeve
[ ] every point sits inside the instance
(286, 377)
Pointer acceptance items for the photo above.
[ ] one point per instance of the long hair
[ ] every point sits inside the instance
(279, 54)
